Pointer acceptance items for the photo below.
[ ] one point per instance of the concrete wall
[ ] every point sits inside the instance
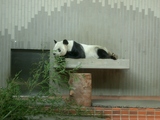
(129, 28)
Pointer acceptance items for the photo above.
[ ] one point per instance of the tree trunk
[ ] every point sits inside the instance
(81, 88)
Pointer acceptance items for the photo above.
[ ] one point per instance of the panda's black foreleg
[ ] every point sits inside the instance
(75, 55)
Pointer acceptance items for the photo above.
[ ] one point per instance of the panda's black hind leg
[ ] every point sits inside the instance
(104, 55)
(114, 56)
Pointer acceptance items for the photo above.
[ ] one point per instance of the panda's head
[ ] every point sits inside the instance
(60, 48)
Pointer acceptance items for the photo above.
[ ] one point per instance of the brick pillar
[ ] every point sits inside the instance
(81, 88)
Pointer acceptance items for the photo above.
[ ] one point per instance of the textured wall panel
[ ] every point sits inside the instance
(130, 28)
(4, 59)
(28, 9)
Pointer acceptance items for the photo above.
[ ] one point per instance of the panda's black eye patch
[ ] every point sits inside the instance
(59, 50)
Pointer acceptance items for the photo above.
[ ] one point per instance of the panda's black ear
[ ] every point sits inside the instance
(65, 42)
(55, 41)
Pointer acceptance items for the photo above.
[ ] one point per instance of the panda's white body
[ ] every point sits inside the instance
(72, 49)
(91, 50)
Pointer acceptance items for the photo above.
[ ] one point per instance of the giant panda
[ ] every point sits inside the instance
(75, 50)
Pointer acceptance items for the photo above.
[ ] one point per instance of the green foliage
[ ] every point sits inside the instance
(9, 106)
(15, 107)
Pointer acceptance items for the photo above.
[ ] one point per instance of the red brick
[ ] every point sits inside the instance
(124, 112)
(133, 117)
(142, 118)
(125, 117)
(149, 109)
(150, 112)
(108, 109)
(107, 112)
(132, 112)
(141, 112)
(157, 117)
(157, 113)
(116, 112)
(116, 109)
(150, 117)
(116, 117)
(133, 109)
(99, 108)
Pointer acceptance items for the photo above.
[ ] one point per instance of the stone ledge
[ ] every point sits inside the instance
(98, 63)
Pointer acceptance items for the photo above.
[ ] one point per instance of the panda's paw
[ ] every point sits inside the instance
(114, 56)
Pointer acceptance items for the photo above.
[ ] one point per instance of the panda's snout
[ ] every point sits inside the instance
(54, 54)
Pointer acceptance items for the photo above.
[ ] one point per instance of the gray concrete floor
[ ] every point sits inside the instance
(127, 103)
